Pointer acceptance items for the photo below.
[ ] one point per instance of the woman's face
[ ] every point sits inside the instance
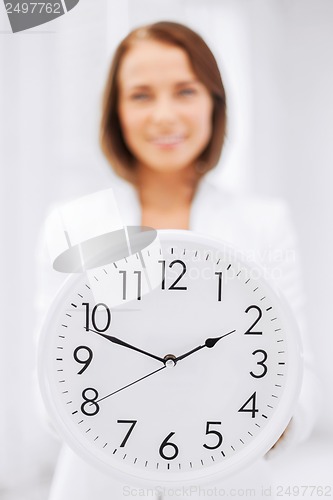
(164, 110)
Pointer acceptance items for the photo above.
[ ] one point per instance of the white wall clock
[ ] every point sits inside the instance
(185, 380)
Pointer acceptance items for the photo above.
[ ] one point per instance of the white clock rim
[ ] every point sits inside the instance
(268, 437)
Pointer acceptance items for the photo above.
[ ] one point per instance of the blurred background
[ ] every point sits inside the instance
(276, 58)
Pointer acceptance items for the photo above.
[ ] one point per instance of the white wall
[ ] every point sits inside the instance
(276, 57)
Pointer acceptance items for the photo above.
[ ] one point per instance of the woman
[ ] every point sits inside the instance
(163, 128)
(164, 119)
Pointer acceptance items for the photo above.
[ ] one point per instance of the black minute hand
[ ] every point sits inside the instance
(210, 342)
(115, 340)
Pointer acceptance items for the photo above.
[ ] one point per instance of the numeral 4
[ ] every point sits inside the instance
(250, 405)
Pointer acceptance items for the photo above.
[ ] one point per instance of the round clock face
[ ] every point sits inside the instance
(175, 364)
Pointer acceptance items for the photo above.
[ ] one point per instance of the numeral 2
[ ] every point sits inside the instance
(250, 331)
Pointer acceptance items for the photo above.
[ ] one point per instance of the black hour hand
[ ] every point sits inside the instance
(210, 342)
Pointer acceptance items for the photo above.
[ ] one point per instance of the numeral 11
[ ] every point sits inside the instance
(138, 273)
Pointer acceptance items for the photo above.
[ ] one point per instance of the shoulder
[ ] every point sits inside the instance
(246, 204)
(244, 208)
(246, 221)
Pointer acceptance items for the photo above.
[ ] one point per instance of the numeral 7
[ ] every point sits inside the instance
(132, 422)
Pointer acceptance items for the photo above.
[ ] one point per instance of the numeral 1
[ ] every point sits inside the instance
(219, 287)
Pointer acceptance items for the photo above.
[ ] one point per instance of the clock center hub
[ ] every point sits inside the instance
(170, 361)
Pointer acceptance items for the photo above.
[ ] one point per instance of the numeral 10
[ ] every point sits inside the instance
(91, 317)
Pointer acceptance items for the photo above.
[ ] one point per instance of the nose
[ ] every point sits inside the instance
(163, 110)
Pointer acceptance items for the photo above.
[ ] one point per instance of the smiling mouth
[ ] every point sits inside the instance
(168, 140)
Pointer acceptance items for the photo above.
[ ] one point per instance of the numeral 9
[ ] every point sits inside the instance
(87, 358)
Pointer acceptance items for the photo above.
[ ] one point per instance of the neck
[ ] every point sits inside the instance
(166, 197)
(171, 190)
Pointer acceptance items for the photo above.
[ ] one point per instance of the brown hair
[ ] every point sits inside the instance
(205, 67)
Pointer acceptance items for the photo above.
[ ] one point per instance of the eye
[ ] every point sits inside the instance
(140, 96)
(187, 91)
